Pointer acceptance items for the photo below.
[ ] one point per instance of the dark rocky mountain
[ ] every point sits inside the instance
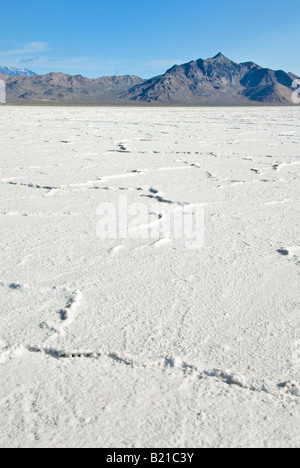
(215, 81)
(12, 71)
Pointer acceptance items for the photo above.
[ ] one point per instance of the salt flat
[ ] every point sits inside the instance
(145, 342)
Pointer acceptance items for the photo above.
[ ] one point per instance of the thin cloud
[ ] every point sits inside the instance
(29, 49)
(29, 60)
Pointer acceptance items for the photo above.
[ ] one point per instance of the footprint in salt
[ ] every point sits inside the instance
(292, 253)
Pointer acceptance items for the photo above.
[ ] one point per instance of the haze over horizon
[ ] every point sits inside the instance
(95, 38)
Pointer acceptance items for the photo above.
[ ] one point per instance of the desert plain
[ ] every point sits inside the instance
(139, 341)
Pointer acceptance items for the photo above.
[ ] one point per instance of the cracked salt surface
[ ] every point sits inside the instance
(291, 388)
(142, 342)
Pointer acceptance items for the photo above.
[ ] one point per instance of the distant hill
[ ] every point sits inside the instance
(215, 81)
(68, 89)
(11, 71)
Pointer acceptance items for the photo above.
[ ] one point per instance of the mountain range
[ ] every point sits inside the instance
(215, 81)
(58, 88)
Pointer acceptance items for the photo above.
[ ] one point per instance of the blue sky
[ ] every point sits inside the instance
(146, 37)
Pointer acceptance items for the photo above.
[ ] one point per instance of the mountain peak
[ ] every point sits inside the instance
(220, 57)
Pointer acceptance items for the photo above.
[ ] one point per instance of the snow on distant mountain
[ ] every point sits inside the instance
(12, 71)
